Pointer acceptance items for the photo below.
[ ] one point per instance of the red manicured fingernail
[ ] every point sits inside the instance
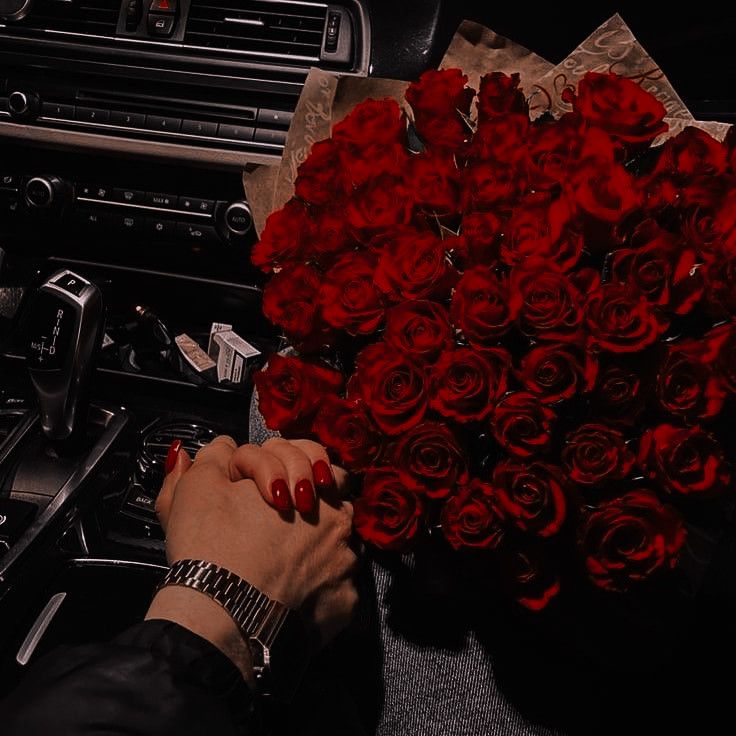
(280, 494)
(322, 476)
(171, 456)
(304, 497)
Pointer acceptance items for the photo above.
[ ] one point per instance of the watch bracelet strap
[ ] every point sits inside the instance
(259, 619)
(256, 615)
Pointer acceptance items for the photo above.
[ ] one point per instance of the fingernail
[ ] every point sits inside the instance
(304, 497)
(280, 494)
(322, 476)
(171, 456)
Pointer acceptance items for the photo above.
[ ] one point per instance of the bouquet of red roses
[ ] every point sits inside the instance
(522, 335)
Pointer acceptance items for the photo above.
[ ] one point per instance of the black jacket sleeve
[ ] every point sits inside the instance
(156, 678)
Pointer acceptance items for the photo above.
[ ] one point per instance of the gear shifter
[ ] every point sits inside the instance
(64, 330)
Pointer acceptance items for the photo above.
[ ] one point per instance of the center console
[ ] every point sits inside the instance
(125, 128)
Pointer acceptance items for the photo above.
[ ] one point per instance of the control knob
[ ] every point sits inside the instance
(235, 220)
(46, 193)
(23, 105)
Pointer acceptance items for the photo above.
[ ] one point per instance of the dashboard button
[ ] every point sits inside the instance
(201, 206)
(94, 191)
(57, 110)
(161, 25)
(169, 201)
(9, 181)
(263, 135)
(128, 119)
(129, 196)
(9, 205)
(89, 218)
(235, 132)
(280, 118)
(161, 227)
(196, 233)
(129, 223)
(164, 6)
(199, 127)
(92, 115)
(158, 122)
(238, 218)
(71, 283)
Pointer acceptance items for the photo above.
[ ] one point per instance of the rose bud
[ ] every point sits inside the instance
(684, 460)
(381, 203)
(605, 193)
(290, 391)
(480, 232)
(499, 95)
(595, 453)
(692, 152)
(621, 320)
(471, 517)
(390, 509)
(283, 238)
(490, 184)
(431, 454)
(435, 182)
(618, 394)
(719, 275)
(620, 107)
(321, 179)
(482, 307)
(687, 385)
(392, 387)
(420, 328)
(330, 237)
(557, 371)
(522, 425)
(530, 578)
(290, 301)
(627, 540)
(344, 427)
(348, 297)
(466, 383)
(371, 122)
(532, 496)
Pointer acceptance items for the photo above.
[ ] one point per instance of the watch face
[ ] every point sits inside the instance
(49, 332)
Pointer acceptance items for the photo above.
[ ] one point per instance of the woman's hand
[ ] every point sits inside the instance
(304, 562)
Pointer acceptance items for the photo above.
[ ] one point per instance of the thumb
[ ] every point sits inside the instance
(177, 463)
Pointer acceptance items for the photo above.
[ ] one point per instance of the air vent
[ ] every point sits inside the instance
(88, 17)
(291, 31)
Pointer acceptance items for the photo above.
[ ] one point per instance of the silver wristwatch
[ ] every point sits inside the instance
(260, 620)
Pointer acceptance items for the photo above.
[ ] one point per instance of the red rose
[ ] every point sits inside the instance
(379, 204)
(364, 164)
(539, 228)
(522, 425)
(530, 577)
(482, 307)
(502, 140)
(439, 99)
(467, 383)
(723, 340)
(389, 511)
(290, 391)
(290, 300)
(480, 233)
(330, 237)
(283, 236)
(372, 122)
(620, 107)
(692, 152)
(719, 275)
(413, 265)
(435, 182)
(557, 371)
(421, 329)
(687, 385)
(595, 453)
(348, 296)
(499, 95)
(628, 539)
(488, 185)
(618, 394)
(698, 228)
(431, 454)
(321, 177)
(684, 460)
(532, 496)
(661, 267)
(393, 388)
(621, 319)
(605, 192)
(471, 517)
(550, 307)
(345, 428)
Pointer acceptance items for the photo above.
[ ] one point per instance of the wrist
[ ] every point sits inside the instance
(205, 617)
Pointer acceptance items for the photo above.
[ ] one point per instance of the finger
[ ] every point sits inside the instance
(298, 473)
(165, 498)
(268, 472)
(217, 452)
(324, 479)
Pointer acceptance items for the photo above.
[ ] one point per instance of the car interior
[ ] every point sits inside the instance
(125, 130)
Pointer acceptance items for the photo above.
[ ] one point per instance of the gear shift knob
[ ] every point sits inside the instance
(64, 328)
